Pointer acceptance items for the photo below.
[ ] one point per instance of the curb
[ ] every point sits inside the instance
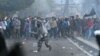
(83, 45)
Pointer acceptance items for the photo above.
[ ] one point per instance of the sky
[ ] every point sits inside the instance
(59, 1)
(73, 1)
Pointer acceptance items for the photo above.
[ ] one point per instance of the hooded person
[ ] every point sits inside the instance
(43, 32)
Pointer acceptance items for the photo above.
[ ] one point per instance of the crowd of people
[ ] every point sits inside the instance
(16, 27)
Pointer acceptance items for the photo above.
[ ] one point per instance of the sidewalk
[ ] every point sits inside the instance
(91, 43)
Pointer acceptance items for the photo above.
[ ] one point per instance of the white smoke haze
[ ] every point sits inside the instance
(67, 8)
(89, 4)
(38, 8)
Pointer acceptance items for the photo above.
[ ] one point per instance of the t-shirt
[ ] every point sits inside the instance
(65, 24)
(90, 23)
(53, 24)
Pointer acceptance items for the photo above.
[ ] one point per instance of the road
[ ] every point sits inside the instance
(61, 47)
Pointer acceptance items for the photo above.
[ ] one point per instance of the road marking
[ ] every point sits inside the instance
(80, 48)
(94, 45)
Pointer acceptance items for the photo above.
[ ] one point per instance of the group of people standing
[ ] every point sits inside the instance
(44, 28)
(15, 27)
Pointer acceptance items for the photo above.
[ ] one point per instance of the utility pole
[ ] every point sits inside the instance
(61, 8)
(66, 8)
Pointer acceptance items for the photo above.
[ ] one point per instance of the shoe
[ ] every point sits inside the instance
(38, 50)
(50, 48)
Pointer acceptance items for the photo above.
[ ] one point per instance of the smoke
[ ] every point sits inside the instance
(42, 7)
(38, 8)
(89, 4)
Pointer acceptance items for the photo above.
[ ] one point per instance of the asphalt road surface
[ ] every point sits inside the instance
(61, 47)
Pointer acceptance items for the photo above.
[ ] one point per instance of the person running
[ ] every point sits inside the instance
(43, 35)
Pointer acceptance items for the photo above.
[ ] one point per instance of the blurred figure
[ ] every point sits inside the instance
(53, 24)
(47, 24)
(59, 23)
(78, 25)
(3, 48)
(65, 27)
(43, 35)
(1, 26)
(22, 33)
(97, 35)
(8, 28)
(28, 27)
(17, 25)
(34, 28)
(72, 26)
(90, 26)
(16, 50)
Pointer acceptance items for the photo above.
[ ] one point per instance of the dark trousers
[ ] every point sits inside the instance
(45, 40)
(7, 33)
(54, 32)
(17, 33)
